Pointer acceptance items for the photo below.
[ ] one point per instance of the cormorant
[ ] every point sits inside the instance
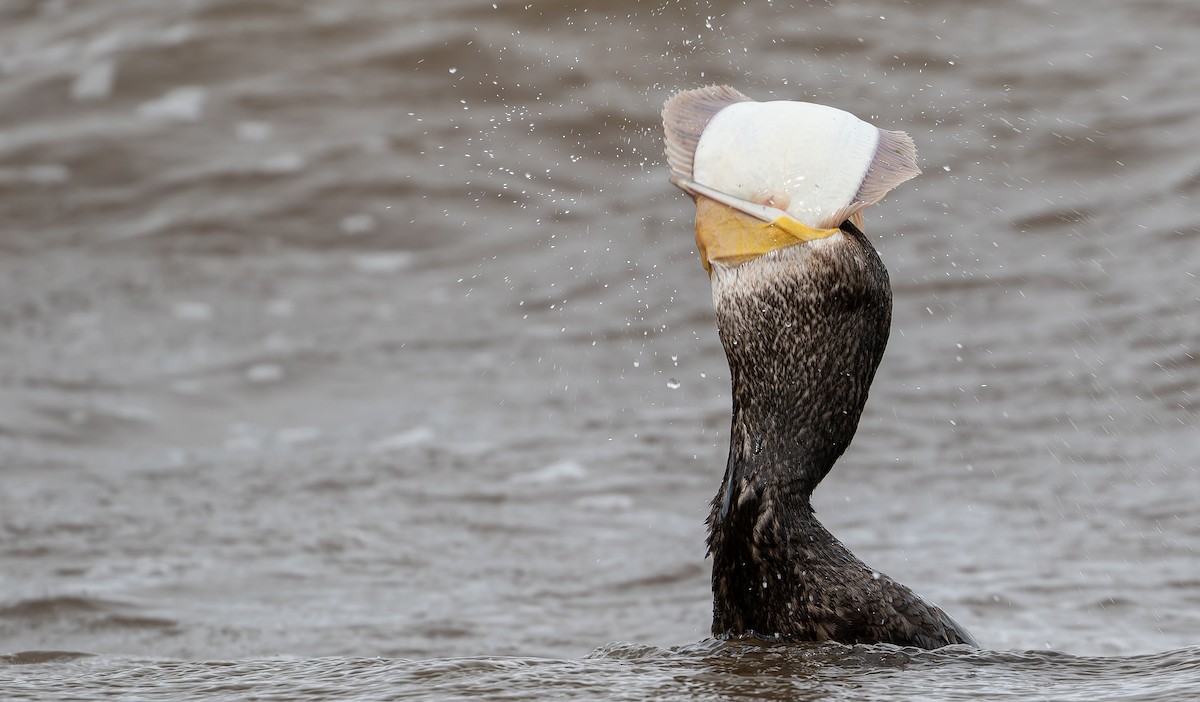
(803, 306)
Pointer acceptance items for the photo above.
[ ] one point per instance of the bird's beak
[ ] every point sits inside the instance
(733, 231)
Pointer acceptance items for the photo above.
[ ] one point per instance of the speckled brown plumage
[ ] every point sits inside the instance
(804, 329)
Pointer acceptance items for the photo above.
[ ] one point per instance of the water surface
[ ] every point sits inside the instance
(362, 349)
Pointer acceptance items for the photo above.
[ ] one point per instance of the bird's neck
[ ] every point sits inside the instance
(804, 330)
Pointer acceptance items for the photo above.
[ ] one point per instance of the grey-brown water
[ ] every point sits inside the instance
(357, 349)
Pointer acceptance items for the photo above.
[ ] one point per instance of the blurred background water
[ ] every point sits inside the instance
(358, 348)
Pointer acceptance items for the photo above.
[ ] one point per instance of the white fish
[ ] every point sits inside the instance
(771, 174)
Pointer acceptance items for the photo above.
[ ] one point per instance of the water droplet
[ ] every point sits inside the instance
(264, 373)
(454, 70)
(673, 384)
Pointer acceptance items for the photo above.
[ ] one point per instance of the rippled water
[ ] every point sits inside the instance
(356, 348)
(707, 671)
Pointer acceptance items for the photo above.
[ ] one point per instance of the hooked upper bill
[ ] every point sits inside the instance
(793, 171)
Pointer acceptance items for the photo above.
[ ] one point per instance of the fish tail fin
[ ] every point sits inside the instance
(895, 161)
(684, 117)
